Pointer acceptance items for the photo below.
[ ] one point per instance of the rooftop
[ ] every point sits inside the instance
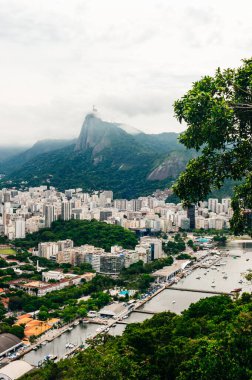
(15, 369)
(8, 341)
(115, 308)
(166, 271)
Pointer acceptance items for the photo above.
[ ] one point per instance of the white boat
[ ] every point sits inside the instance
(76, 323)
(173, 301)
(50, 357)
(44, 343)
(85, 321)
(70, 328)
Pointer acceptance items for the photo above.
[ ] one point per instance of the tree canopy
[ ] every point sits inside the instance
(99, 234)
(218, 113)
(210, 340)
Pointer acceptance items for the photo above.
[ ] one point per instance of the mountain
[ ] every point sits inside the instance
(106, 155)
(6, 152)
(16, 161)
(97, 135)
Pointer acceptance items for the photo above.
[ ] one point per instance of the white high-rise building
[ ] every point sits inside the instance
(49, 211)
(212, 204)
(66, 210)
(48, 249)
(226, 204)
(20, 228)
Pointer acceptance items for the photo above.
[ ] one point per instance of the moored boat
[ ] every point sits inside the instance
(85, 320)
(237, 290)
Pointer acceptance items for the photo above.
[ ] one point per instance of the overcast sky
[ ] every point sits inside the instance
(131, 58)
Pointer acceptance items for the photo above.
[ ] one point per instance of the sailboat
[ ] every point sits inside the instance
(213, 284)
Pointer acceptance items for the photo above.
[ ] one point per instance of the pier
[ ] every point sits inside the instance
(144, 312)
(199, 291)
(142, 302)
(121, 323)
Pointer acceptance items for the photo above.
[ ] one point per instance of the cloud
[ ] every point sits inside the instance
(141, 104)
(131, 58)
(199, 15)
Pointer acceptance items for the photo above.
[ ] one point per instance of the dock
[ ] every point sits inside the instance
(142, 302)
(199, 291)
(144, 312)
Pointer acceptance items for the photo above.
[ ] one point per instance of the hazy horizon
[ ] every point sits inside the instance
(20, 145)
(131, 59)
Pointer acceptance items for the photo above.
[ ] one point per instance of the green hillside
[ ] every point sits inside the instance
(105, 157)
(92, 232)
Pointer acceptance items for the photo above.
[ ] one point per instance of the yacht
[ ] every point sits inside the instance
(173, 301)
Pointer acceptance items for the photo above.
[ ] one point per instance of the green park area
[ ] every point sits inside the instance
(7, 251)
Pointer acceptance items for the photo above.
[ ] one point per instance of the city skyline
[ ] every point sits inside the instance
(127, 58)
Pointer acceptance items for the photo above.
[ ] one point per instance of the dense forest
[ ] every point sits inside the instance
(92, 232)
(211, 340)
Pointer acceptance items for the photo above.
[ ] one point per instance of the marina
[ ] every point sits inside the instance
(63, 345)
(221, 277)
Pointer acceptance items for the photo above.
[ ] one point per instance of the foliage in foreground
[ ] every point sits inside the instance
(210, 340)
(92, 232)
(218, 112)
